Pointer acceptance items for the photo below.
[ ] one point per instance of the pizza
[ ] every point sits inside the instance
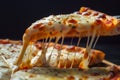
(66, 70)
(37, 57)
(83, 23)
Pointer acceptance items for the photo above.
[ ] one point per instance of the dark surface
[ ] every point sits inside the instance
(17, 15)
(112, 52)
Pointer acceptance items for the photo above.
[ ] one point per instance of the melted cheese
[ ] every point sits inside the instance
(86, 60)
(59, 53)
(78, 41)
(96, 41)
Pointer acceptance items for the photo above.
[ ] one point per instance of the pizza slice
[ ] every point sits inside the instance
(10, 50)
(84, 23)
(70, 57)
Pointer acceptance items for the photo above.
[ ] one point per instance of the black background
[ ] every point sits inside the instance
(17, 15)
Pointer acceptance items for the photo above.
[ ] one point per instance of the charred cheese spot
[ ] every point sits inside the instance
(53, 33)
(83, 9)
(98, 21)
(73, 21)
(50, 23)
(71, 49)
(38, 26)
(108, 23)
(87, 13)
(58, 47)
(95, 14)
(103, 16)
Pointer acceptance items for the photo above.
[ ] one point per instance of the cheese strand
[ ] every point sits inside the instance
(59, 52)
(73, 60)
(56, 41)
